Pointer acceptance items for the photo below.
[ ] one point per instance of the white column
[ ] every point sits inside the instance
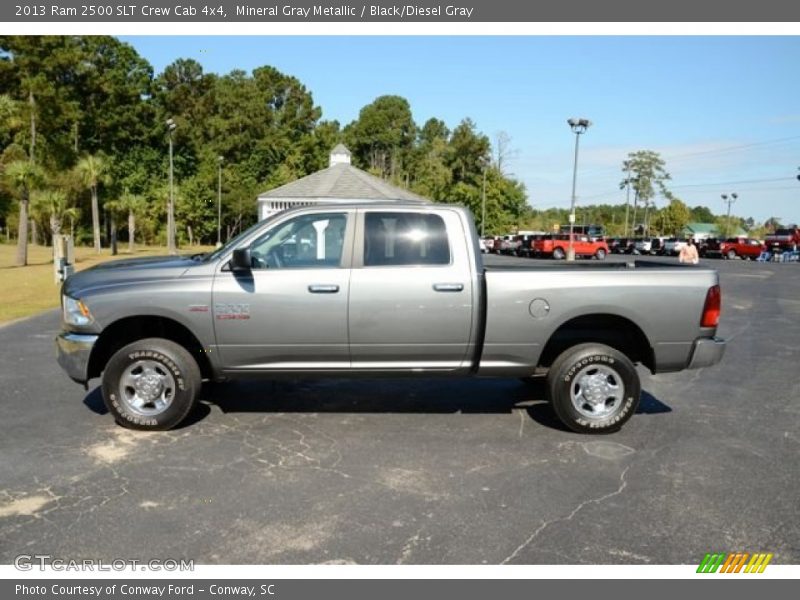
(320, 227)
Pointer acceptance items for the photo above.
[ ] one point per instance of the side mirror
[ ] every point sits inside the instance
(240, 261)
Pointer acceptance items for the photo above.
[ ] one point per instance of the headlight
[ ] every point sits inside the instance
(76, 313)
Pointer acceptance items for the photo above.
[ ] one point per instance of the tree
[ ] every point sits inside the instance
(114, 210)
(674, 217)
(111, 80)
(24, 176)
(10, 120)
(772, 224)
(469, 151)
(382, 136)
(504, 152)
(702, 214)
(43, 71)
(647, 175)
(134, 205)
(93, 171)
(53, 206)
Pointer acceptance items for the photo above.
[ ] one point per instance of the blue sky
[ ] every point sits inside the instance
(723, 111)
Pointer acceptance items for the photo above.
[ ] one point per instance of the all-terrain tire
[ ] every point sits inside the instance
(151, 384)
(593, 388)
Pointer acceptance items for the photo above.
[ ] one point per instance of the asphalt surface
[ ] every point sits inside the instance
(417, 471)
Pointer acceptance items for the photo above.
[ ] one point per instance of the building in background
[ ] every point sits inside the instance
(703, 231)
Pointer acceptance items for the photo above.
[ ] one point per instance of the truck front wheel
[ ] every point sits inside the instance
(593, 388)
(151, 384)
(558, 253)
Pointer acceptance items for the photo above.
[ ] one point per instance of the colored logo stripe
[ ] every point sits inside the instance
(711, 563)
(758, 563)
(733, 563)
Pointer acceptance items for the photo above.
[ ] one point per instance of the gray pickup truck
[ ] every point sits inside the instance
(367, 290)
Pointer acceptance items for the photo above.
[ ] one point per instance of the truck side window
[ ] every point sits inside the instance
(404, 238)
(307, 241)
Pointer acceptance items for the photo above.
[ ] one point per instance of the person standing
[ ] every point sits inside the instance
(688, 253)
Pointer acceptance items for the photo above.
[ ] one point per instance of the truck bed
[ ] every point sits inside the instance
(526, 302)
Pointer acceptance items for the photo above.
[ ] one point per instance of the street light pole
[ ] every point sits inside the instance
(729, 201)
(219, 202)
(578, 126)
(171, 248)
(483, 203)
(627, 197)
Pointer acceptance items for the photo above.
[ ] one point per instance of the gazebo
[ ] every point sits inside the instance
(340, 183)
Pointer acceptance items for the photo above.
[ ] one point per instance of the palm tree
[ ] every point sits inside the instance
(136, 205)
(93, 171)
(24, 176)
(53, 205)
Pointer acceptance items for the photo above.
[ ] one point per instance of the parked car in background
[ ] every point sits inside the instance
(508, 245)
(482, 246)
(657, 245)
(524, 244)
(642, 246)
(620, 245)
(784, 239)
(741, 247)
(709, 248)
(594, 232)
(556, 246)
(672, 246)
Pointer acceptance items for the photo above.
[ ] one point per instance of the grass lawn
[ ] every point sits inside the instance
(25, 291)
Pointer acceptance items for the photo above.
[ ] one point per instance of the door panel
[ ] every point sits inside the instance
(411, 296)
(290, 311)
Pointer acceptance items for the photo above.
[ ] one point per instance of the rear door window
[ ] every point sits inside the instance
(404, 238)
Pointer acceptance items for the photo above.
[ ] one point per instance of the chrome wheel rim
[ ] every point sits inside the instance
(597, 392)
(147, 388)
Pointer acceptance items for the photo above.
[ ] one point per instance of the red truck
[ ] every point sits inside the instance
(556, 245)
(742, 247)
(784, 239)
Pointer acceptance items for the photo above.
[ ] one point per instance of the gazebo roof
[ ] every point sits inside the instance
(342, 181)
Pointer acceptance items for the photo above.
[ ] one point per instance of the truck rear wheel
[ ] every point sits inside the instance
(600, 254)
(593, 388)
(151, 384)
(558, 253)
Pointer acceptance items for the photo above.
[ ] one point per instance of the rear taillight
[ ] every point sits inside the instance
(712, 307)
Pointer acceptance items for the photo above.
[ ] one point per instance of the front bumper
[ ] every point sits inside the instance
(74, 350)
(706, 352)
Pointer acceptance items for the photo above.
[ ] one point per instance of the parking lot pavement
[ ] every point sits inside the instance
(417, 471)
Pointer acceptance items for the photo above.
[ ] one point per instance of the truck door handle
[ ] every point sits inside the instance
(448, 287)
(323, 289)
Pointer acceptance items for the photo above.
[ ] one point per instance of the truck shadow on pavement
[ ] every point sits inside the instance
(434, 396)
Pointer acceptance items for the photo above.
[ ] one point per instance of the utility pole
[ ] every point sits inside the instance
(171, 248)
(483, 203)
(627, 196)
(219, 201)
(728, 200)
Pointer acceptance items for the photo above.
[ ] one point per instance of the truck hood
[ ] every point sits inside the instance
(127, 271)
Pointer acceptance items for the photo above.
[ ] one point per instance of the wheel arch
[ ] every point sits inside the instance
(615, 331)
(127, 330)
